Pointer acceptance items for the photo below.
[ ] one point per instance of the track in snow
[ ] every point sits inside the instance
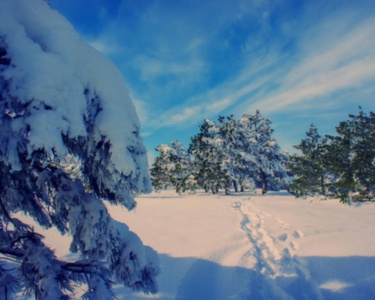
(278, 272)
(263, 266)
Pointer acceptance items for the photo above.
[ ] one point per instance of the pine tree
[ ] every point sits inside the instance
(238, 152)
(183, 167)
(172, 167)
(159, 171)
(61, 157)
(340, 166)
(238, 160)
(265, 161)
(228, 148)
(310, 169)
(352, 156)
(207, 150)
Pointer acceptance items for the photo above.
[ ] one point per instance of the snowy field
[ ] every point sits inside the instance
(246, 246)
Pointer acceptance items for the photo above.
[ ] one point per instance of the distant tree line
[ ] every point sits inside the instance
(241, 154)
(238, 154)
(341, 166)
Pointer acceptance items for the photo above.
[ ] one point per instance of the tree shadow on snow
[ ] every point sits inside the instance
(343, 278)
(189, 278)
(333, 278)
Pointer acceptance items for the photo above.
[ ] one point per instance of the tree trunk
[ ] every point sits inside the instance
(264, 183)
(242, 188)
(264, 188)
(226, 187)
(323, 187)
(235, 186)
(213, 189)
(206, 188)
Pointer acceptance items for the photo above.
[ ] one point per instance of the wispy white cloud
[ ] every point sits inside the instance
(207, 105)
(219, 105)
(222, 99)
(347, 62)
(320, 84)
(151, 67)
(102, 46)
(190, 115)
(142, 111)
(356, 43)
(180, 117)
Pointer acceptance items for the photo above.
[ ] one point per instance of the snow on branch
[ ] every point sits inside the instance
(69, 138)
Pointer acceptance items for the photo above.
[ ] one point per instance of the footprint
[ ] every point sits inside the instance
(286, 253)
(298, 234)
(294, 246)
(283, 237)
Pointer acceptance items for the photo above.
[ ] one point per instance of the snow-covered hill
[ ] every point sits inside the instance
(246, 246)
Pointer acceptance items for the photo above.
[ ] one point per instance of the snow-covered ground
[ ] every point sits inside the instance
(246, 246)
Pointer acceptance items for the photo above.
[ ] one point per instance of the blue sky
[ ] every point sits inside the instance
(298, 62)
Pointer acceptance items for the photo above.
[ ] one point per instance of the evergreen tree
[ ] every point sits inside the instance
(58, 108)
(226, 136)
(234, 157)
(265, 161)
(239, 153)
(159, 171)
(352, 156)
(189, 183)
(207, 150)
(172, 168)
(340, 166)
(310, 168)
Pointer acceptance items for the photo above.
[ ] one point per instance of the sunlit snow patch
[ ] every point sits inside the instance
(335, 286)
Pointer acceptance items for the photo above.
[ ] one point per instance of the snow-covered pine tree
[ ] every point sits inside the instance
(222, 141)
(238, 152)
(234, 158)
(182, 167)
(266, 161)
(172, 167)
(207, 150)
(183, 171)
(351, 158)
(62, 102)
(310, 169)
(245, 150)
(160, 169)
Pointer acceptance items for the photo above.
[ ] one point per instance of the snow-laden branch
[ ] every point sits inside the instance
(69, 138)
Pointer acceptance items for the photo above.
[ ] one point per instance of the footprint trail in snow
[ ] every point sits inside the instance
(278, 272)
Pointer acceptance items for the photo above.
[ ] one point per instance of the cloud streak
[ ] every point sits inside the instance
(220, 100)
(350, 63)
